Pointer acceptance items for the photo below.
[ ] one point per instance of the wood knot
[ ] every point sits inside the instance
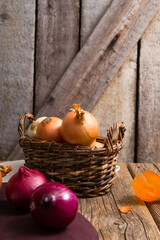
(4, 16)
(113, 42)
(50, 100)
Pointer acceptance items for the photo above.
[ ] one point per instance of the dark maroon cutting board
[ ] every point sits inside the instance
(20, 226)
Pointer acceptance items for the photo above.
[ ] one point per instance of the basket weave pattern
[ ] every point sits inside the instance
(88, 171)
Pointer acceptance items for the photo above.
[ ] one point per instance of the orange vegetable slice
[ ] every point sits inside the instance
(146, 186)
(124, 209)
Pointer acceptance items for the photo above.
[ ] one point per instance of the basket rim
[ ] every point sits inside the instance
(28, 143)
(111, 145)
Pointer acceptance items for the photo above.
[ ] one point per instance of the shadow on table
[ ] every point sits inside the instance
(19, 225)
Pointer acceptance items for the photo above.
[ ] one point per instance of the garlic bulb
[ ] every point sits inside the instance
(31, 132)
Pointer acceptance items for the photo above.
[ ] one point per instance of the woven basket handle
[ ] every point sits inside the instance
(22, 122)
(120, 126)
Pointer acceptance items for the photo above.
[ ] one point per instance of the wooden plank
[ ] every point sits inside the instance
(56, 45)
(118, 104)
(154, 207)
(103, 212)
(114, 105)
(17, 27)
(149, 94)
(101, 57)
(91, 13)
(17, 153)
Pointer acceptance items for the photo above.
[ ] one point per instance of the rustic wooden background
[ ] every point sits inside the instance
(102, 54)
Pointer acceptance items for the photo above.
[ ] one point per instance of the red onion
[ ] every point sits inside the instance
(21, 185)
(53, 205)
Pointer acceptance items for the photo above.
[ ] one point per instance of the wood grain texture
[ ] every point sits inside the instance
(17, 29)
(91, 13)
(119, 99)
(103, 212)
(118, 103)
(56, 45)
(101, 57)
(149, 94)
(154, 207)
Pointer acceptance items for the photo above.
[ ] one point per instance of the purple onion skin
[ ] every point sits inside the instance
(53, 205)
(21, 185)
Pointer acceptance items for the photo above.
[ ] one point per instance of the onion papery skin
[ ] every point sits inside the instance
(79, 127)
(21, 185)
(97, 144)
(153, 178)
(146, 186)
(49, 129)
(53, 205)
(31, 132)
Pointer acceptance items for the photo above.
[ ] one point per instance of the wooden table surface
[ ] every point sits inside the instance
(141, 222)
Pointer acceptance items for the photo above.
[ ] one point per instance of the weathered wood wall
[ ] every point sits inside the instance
(57, 43)
(114, 105)
(17, 34)
(149, 94)
(39, 40)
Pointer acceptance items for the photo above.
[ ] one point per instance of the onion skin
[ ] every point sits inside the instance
(53, 205)
(31, 132)
(21, 185)
(124, 209)
(4, 170)
(97, 144)
(146, 186)
(49, 129)
(79, 127)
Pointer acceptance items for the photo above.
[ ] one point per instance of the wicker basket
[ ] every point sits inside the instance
(88, 171)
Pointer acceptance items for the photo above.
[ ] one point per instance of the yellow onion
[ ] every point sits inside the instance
(31, 132)
(97, 144)
(49, 129)
(79, 127)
